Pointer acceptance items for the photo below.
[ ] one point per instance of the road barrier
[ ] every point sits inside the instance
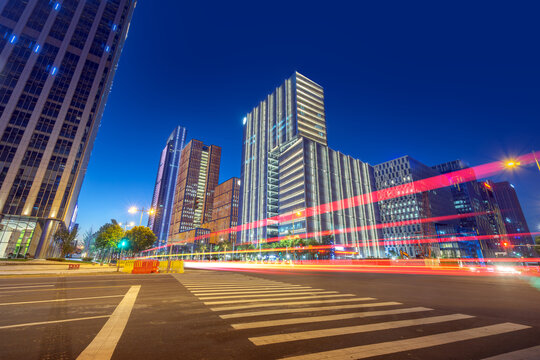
(74, 266)
(145, 267)
(126, 265)
(171, 266)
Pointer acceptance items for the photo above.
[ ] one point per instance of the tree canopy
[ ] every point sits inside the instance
(66, 240)
(140, 238)
(109, 235)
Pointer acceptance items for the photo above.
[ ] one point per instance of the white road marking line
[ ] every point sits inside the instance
(316, 296)
(59, 300)
(221, 286)
(60, 288)
(314, 334)
(297, 310)
(22, 287)
(279, 293)
(242, 282)
(532, 353)
(250, 291)
(103, 345)
(391, 347)
(250, 306)
(53, 322)
(238, 288)
(313, 319)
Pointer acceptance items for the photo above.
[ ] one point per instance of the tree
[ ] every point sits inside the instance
(140, 238)
(66, 240)
(109, 235)
(537, 241)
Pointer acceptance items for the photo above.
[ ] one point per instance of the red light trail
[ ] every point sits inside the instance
(419, 186)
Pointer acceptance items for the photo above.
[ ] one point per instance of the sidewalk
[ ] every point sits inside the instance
(44, 267)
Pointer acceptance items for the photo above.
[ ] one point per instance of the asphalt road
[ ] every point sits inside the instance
(268, 315)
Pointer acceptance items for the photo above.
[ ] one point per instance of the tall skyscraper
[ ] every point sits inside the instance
(224, 212)
(513, 218)
(162, 201)
(287, 168)
(198, 176)
(417, 205)
(57, 63)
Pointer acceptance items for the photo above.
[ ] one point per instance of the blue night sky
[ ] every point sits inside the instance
(437, 81)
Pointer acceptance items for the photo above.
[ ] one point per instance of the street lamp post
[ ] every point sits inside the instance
(134, 209)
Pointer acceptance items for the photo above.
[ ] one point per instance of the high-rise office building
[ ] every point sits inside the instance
(513, 218)
(224, 212)
(287, 168)
(162, 201)
(416, 205)
(467, 199)
(57, 63)
(198, 177)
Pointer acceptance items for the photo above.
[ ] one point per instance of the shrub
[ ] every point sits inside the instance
(87, 259)
(55, 259)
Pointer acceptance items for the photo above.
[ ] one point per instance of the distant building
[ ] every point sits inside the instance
(288, 169)
(57, 64)
(513, 218)
(492, 247)
(467, 199)
(162, 201)
(421, 238)
(198, 177)
(224, 212)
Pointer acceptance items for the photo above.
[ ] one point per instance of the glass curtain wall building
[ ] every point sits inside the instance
(287, 168)
(434, 203)
(513, 218)
(57, 63)
(198, 177)
(162, 201)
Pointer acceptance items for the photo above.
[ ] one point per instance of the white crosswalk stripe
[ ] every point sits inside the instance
(311, 319)
(303, 309)
(390, 347)
(239, 293)
(314, 296)
(280, 293)
(313, 334)
(251, 291)
(312, 302)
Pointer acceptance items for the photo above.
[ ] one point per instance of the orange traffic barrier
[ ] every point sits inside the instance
(145, 267)
(74, 266)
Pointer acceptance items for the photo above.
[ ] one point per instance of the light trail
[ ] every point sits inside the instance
(419, 186)
(341, 248)
(453, 267)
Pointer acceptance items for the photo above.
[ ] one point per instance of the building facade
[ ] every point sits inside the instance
(198, 177)
(57, 63)
(162, 201)
(417, 239)
(513, 218)
(224, 212)
(287, 168)
(467, 199)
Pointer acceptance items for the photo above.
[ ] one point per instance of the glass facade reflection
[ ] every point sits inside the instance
(288, 168)
(162, 201)
(57, 63)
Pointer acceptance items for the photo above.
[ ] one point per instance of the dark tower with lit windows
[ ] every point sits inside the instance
(57, 63)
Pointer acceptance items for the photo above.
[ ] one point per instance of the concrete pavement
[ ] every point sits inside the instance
(268, 315)
(42, 267)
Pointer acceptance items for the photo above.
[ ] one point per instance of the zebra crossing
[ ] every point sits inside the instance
(273, 312)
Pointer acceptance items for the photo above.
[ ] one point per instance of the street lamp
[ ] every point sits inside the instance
(134, 209)
(512, 164)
